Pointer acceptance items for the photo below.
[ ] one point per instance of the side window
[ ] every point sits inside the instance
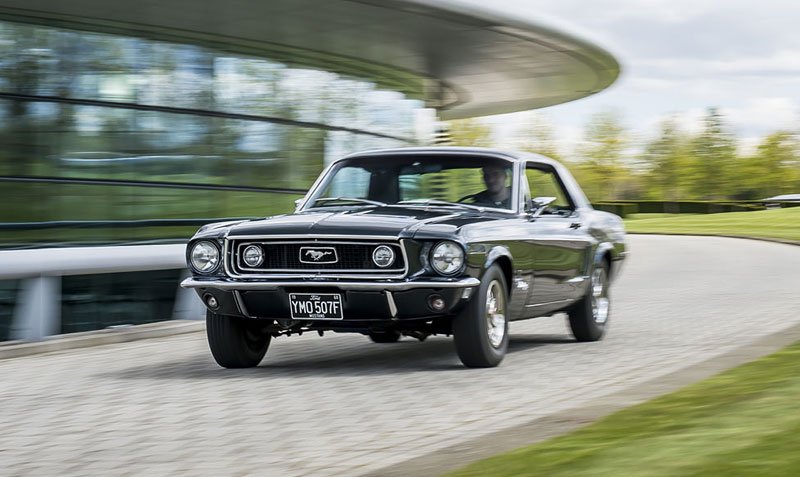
(544, 182)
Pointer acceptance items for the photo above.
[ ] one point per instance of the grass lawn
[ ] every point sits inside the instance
(777, 223)
(745, 421)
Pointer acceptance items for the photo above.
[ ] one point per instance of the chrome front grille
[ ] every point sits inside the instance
(315, 256)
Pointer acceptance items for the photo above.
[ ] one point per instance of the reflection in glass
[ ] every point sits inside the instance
(45, 137)
(47, 61)
(34, 203)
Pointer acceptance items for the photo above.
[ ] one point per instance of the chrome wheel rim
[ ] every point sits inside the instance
(600, 301)
(495, 314)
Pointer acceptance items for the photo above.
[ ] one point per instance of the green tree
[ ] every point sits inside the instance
(470, 132)
(537, 135)
(772, 170)
(601, 171)
(712, 159)
(665, 162)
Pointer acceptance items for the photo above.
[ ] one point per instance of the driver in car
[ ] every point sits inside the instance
(497, 194)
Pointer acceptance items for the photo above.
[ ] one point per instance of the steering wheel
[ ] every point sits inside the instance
(467, 197)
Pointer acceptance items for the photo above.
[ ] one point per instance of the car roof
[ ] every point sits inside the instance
(511, 155)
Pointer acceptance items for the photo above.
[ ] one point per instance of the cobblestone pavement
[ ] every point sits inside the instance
(341, 405)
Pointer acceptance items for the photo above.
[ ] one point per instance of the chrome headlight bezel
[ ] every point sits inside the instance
(250, 249)
(383, 248)
(203, 253)
(447, 258)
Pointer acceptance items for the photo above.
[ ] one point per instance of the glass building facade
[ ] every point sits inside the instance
(108, 139)
(113, 139)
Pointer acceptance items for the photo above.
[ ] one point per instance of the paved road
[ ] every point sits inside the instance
(340, 405)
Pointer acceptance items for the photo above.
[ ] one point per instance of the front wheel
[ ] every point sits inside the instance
(589, 317)
(480, 332)
(236, 342)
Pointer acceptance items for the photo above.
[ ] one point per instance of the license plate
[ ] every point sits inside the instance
(315, 306)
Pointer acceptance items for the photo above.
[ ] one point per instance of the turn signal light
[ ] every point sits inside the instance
(436, 302)
(211, 302)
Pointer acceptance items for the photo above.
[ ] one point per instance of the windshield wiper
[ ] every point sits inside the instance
(350, 199)
(441, 202)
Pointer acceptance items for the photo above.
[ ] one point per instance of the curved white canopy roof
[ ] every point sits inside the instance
(460, 60)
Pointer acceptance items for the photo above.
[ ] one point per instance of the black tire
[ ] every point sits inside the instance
(588, 318)
(236, 342)
(388, 336)
(471, 329)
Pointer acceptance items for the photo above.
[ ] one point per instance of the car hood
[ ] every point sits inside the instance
(398, 222)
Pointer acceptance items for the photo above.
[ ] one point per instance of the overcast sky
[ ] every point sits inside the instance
(680, 57)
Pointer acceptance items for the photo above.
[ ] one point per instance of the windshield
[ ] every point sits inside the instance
(473, 181)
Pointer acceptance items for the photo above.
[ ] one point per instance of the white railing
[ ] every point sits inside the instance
(37, 313)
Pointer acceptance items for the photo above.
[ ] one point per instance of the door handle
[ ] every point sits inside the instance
(575, 225)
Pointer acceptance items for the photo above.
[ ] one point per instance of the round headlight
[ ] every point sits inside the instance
(383, 256)
(447, 258)
(205, 257)
(253, 255)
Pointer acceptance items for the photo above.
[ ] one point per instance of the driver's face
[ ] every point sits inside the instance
(495, 179)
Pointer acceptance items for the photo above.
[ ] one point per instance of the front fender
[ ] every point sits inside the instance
(518, 285)
(494, 254)
(616, 254)
(603, 248)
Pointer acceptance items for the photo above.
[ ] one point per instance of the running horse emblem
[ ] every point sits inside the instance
(321, 255)
(316, 255)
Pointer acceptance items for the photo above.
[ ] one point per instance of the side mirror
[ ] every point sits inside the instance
(297, 203)
(539, 205)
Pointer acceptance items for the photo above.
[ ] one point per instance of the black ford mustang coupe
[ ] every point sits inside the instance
(413, 241)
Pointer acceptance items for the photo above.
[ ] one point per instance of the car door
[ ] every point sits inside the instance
(560, 246)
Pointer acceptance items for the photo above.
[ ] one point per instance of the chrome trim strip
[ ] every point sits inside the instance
(316, 185)
(321, 271)
(576, 280)
(312, 237)
(403, 247)
(322, 244)
(384, 286)
(558, 238)
(228, 265)
(227, 258)
(548, 303)
(237, 297)
(286, 276)
(392, 304)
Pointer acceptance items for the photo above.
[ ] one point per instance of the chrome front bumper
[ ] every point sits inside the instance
(344, 285)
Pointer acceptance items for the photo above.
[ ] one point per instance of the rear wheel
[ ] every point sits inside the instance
(480, 332)
(388, 336)
(589, 317)
(236, 342)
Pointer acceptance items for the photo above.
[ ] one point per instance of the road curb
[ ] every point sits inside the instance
(16, 349)
(760, 239)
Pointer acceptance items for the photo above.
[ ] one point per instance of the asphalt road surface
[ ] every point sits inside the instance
(341, 405)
